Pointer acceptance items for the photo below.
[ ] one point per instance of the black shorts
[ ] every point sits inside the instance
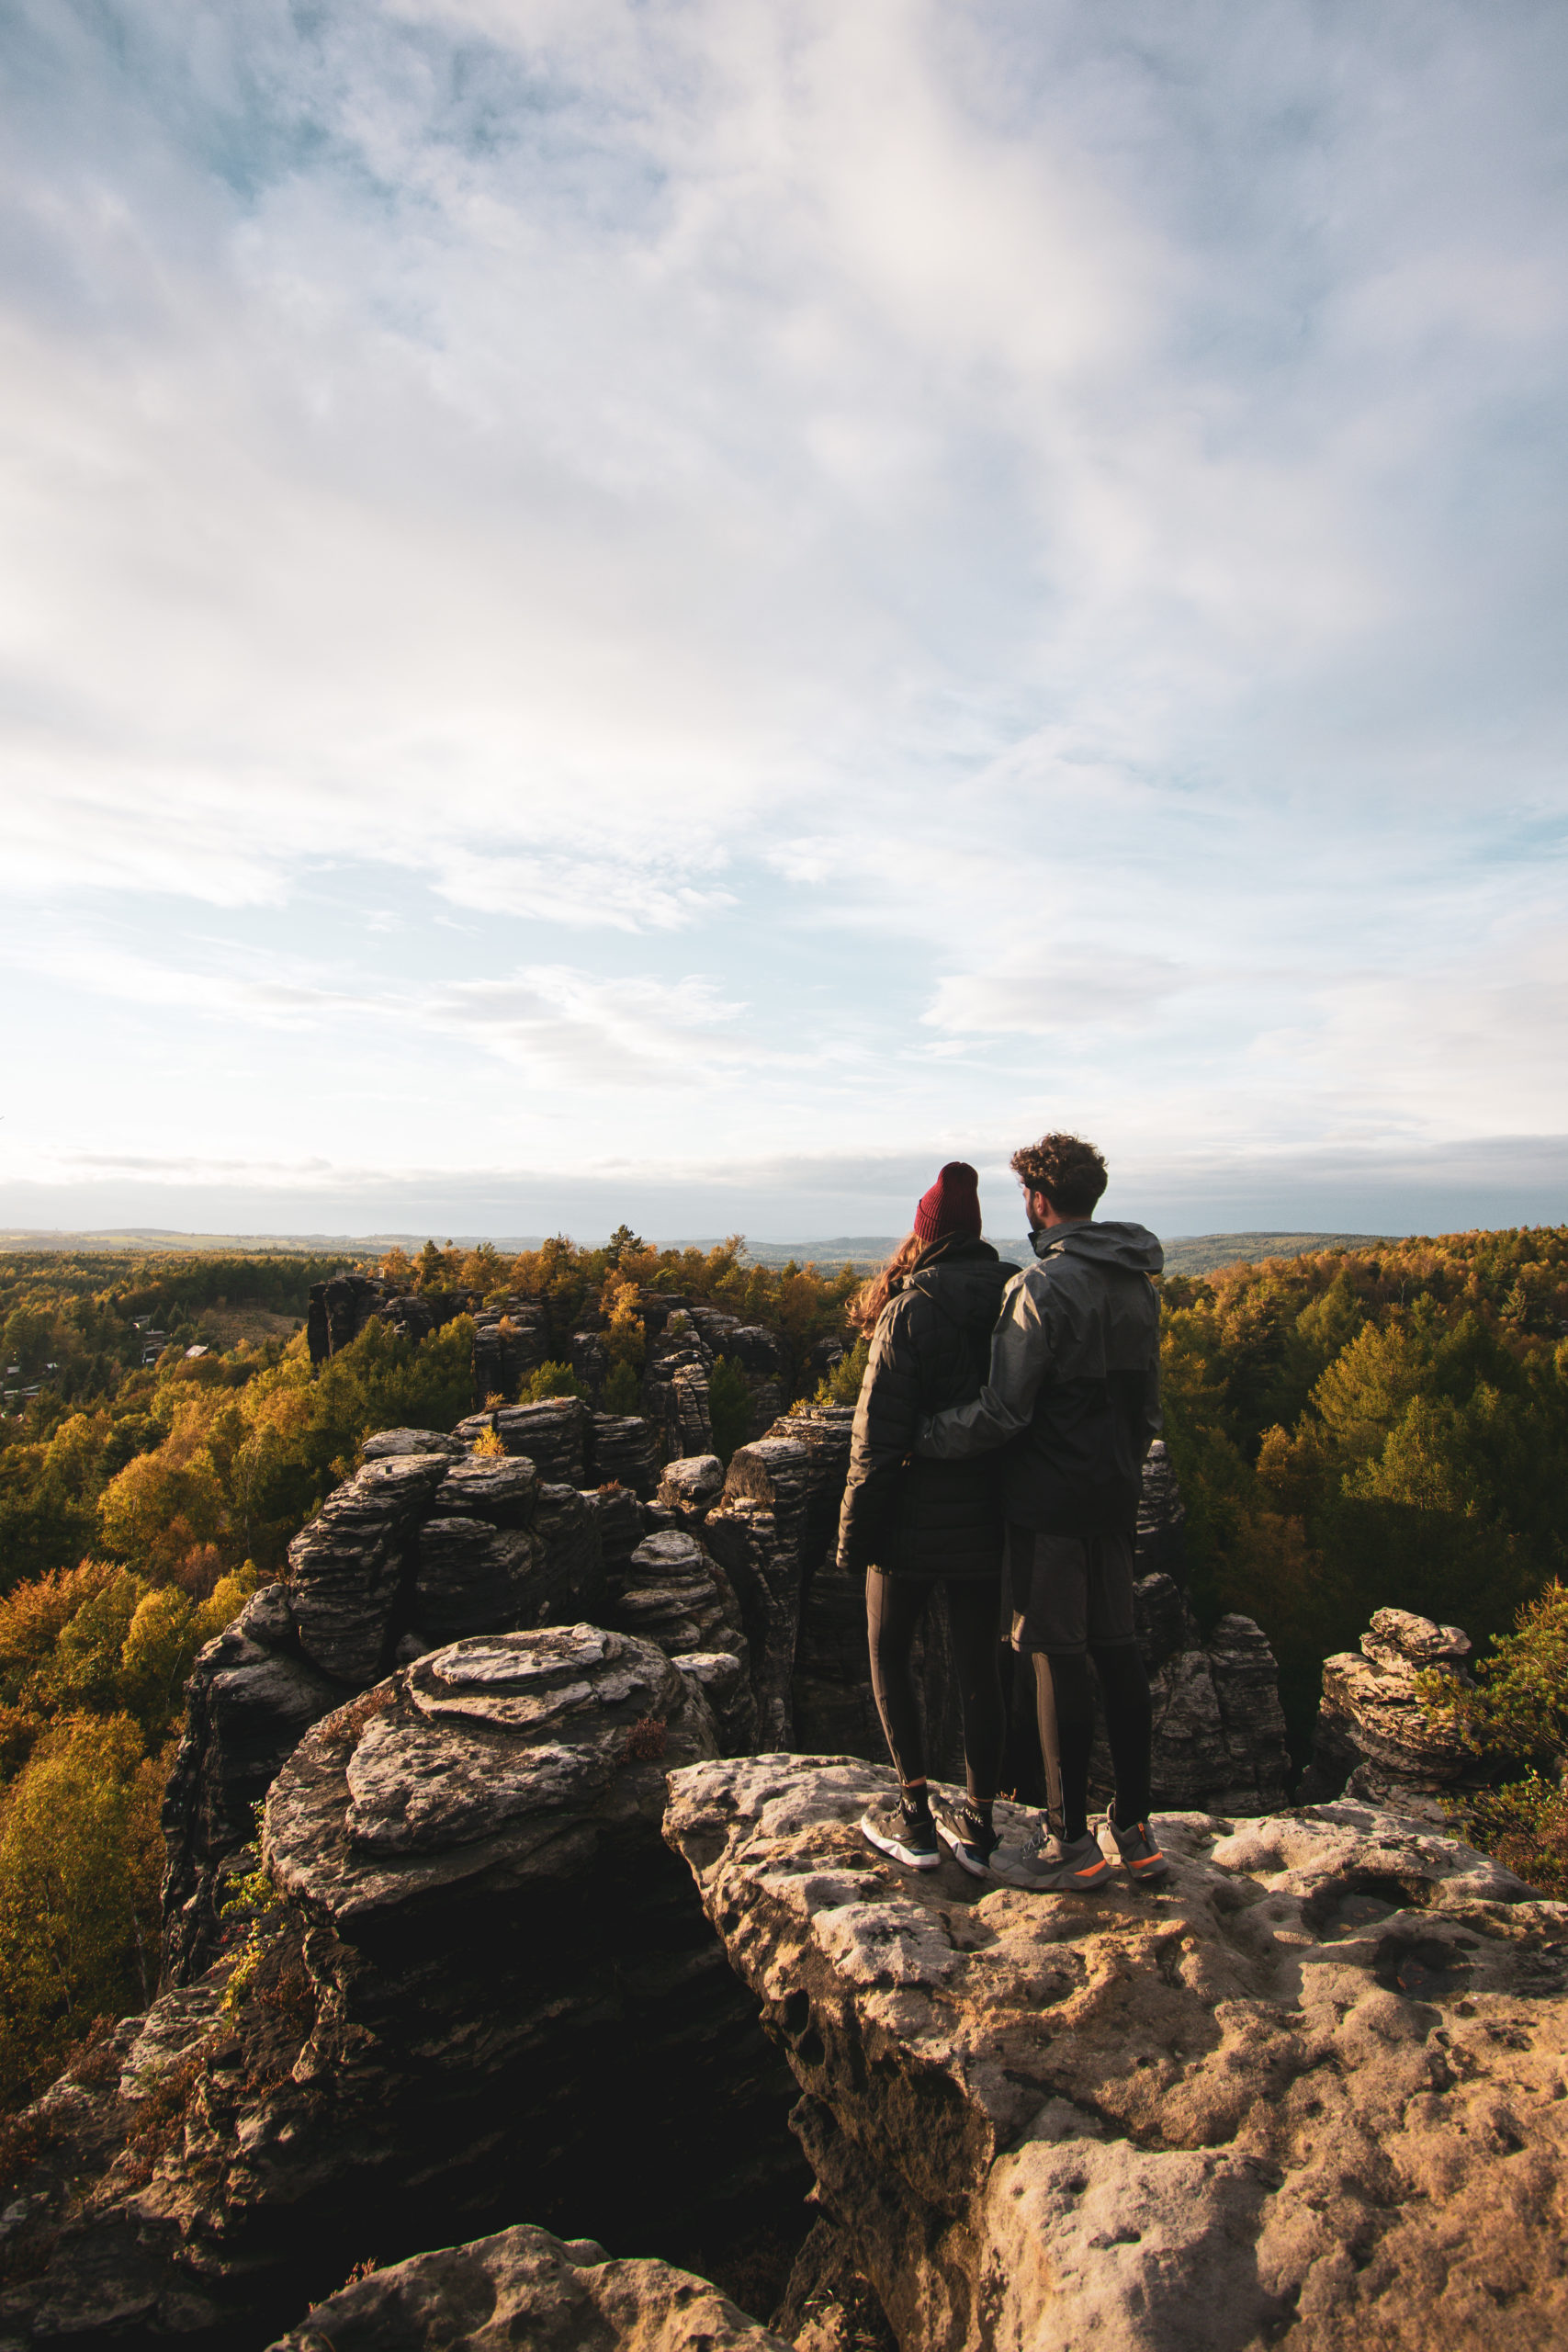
(1069, 1592)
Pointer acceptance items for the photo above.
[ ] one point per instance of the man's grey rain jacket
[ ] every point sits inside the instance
(1072, 1390)
(930, 1348)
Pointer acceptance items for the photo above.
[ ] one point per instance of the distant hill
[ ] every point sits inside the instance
(1189, 1254)
(1203, 1253)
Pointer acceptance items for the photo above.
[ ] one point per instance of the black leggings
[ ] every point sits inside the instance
(1064, 1692)
(894, 1608)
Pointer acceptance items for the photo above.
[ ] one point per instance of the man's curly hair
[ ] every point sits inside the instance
(1070, 1172)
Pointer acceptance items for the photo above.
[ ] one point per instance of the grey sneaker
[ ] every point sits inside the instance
(1141, 1856)
(970, 1840)
(904, 1835)
(1048, 1865)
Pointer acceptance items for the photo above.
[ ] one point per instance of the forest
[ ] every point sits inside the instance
(1350, 1428)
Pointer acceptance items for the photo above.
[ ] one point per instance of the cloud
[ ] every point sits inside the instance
(1098, 987)
(1021, 550)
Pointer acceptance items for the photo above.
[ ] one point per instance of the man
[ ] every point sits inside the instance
(1074, 1392)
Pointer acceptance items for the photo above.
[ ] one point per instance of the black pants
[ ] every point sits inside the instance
(894, 1608)
(1064, 1693)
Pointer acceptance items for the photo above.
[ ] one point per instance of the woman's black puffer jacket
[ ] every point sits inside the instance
(932, 1347)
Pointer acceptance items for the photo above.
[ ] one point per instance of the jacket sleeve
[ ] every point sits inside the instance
(1021, 1357)
(886, 1411)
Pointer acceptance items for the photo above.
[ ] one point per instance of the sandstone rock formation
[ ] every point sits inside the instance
(1308, 2092)
(1219, 1729)
(1373, 1739)
(673, 1594)
(489, 1989)
(428, 1542)
(1161, 1548)
(510, 1344)
(525, 2287)
(554, 1435)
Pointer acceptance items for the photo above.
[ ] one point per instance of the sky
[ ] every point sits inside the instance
(684, 609)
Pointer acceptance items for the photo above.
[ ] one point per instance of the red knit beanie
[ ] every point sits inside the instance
(953, 1205)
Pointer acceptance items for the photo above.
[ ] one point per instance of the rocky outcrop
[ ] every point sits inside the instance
(1373, 1739)
(674, 1594)
(1219, 1729)
(1308, 2091)
(510, 1346)
(525, 2287)
(1161, 1547)
(487, 1989)
(554, 1435)
(429, 1541)
(250, 1701)
(624, 1451)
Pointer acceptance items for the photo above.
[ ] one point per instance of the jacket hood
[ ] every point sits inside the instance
(968, 1283)
(1131, 1246)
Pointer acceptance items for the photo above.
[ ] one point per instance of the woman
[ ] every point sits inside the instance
(907, 1522)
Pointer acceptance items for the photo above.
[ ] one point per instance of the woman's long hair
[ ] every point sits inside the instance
(873, 1297)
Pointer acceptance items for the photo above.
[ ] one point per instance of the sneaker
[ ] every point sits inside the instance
(971, 1838)
(1141, 1856)
(904, 1835)
(1050, 1865)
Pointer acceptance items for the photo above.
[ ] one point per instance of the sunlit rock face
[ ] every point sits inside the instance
(1374, 1738)
(525, 2287)
(1308, 2091)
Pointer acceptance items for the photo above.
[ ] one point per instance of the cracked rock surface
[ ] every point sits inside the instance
(523, 2285)
(1314, 2091)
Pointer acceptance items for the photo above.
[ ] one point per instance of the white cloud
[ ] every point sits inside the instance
(953, 526)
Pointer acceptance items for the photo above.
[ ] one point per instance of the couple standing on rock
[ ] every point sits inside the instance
(1000, 1437)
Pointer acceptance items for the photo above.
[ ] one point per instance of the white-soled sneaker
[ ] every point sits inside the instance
(904, 1836)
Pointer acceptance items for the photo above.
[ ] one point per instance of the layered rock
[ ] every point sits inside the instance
(553, 1434)
(1373, 1738)
(525, 2287)
(428, 1543)
(1308, 2091)
(510, 1345)
(675, 1386)
(1161, 1546)
(674, 1594)
(1219, 1729)
(489, 1989)
(624, 1450)
(251, 1698)
(756, 1532)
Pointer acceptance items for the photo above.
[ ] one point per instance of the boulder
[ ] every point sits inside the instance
(690, 1485)
(525, 2287)
(1373, 1738)
(386, 1444)
(1308, 2090)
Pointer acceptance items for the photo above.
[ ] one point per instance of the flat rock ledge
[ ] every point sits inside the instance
(523, 2285)
(1314, 2091)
